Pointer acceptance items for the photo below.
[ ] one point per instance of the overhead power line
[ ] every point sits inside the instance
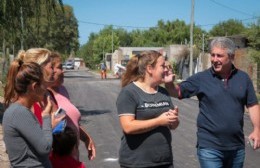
(235, 10)
(242, 20)
(138, 27)
(120, 26)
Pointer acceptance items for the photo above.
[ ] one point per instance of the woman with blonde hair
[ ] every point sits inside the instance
(146, 113)
(42, 57)
(27, 143)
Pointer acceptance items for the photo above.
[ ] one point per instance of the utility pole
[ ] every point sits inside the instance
(112, 41)
(191, 37)
(199, 63)
(203, 50)
(21, 11)
(103, 52)
(203, 43)
(203, 36)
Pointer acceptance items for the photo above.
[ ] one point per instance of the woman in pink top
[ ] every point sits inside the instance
(73, 115)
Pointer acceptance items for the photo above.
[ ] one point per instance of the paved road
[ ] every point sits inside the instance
(96, 100)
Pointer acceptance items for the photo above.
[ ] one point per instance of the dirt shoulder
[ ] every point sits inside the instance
(4, 161)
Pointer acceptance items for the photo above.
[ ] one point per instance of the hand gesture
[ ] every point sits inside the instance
(56, 120)
(174, 112)
(90, 146)
(169, 118)
(168, 75)
(255, 136)
(47, 107)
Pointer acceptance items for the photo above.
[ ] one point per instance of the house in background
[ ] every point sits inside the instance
(180, 55)
(123, 54)
(77, 62)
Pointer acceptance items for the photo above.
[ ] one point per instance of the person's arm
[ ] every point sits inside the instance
(173, 89)
(255, 118)
(39, 139)
(89, 143)
(132, 126)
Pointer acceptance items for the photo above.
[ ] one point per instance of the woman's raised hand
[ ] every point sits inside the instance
(46, 107)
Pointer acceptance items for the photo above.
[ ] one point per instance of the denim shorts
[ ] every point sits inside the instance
(212, 158)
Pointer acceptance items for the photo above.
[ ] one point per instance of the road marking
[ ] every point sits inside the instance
(111, 159)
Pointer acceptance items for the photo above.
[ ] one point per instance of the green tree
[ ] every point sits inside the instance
(86, 52)
(253, 36)
(14, 14)
(165, 33)
(124, 37)
(103, 43)
(62, 32)
(138, 39)
(228, 28)
(99, 44)
(175, 32)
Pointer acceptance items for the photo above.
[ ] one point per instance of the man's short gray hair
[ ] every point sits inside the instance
(225, 43)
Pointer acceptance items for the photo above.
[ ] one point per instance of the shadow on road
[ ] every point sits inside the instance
(72, 76)
(93, 112)
(90, 77)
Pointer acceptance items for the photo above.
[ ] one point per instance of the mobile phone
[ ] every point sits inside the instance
(60, 112)
(251, 143)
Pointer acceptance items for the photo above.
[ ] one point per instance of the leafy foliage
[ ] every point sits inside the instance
(38, 23)
(101, 43)
(228, 28)
(165, 33)
(253, 34)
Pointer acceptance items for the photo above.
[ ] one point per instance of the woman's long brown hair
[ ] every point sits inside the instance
(20, 75)
(136, 67)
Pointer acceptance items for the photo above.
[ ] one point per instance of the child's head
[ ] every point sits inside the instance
(63, 143)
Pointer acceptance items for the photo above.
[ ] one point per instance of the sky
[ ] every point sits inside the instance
(94, 15)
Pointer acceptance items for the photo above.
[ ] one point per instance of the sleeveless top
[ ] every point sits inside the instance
(73, 114)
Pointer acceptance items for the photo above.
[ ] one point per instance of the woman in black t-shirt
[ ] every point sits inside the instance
(146, 113)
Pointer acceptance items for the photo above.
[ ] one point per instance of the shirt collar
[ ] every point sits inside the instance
(233, 71)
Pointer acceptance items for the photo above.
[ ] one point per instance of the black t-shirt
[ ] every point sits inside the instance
(148, 149)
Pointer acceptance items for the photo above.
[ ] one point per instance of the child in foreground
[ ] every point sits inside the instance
(63, 145)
